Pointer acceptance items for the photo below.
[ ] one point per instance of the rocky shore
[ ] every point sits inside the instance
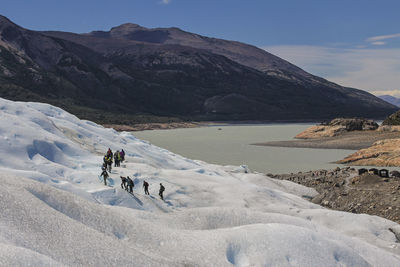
(382, 153)
(337, 127)
(377, 146)
(340, 133)
(343, 189)
(348, 140)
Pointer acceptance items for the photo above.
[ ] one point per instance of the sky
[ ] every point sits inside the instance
(354, 43)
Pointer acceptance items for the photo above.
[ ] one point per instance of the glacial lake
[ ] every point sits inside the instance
(231, 145)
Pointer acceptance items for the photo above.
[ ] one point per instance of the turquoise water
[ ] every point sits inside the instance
(231, 145)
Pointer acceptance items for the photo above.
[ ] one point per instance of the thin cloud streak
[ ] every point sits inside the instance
(378, 43)
(382, 37)
(165, 2)
(367, 69)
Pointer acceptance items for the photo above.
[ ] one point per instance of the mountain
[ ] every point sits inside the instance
(134, 73)
(391, 99)
(55, 211)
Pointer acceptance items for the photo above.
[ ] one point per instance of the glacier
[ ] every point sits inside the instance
(55, 211)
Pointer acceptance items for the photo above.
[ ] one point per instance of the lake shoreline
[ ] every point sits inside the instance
(350, 140)
(153, 126)
(196, 124)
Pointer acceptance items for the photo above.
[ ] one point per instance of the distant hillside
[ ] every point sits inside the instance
(132, 73)
(391, 99)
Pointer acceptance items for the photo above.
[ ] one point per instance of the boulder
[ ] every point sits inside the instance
(395, 174)
(354, 124)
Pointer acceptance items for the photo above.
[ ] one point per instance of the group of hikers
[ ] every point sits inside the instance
(118, 156)
(126, 182)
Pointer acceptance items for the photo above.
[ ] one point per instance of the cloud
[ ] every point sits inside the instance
(378, 43)
(382, 37)
(165, 2)
(368, 69)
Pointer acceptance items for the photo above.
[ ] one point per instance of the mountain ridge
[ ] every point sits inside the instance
(129, 71)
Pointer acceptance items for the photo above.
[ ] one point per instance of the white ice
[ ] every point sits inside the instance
(54, 209)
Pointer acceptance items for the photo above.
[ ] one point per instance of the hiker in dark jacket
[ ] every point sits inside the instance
(123, 183)
(122, 154)
(116, 159)
(109, 152)
(160, 193)
(130, 184)
(105, 176)
(146, 187)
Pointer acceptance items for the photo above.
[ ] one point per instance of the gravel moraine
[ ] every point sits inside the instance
(343, 189)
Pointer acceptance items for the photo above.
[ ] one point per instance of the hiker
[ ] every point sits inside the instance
(123, 183)
(119, 158)
(105, 176)
(103, 168)
(109, 163)
(162, 189)
(122, 154)
(130, 184)
(146, 187)
(109, 152)
(116, 159)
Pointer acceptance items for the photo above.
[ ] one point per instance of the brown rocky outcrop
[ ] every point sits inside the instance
(381, 153)
(389, 128)
(336, 127)
(393, 119)
(319, 131)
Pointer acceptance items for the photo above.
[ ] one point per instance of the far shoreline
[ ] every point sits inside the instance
(197, 124)
(350, 140)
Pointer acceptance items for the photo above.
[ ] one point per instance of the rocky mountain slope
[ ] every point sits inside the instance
(134, 73)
